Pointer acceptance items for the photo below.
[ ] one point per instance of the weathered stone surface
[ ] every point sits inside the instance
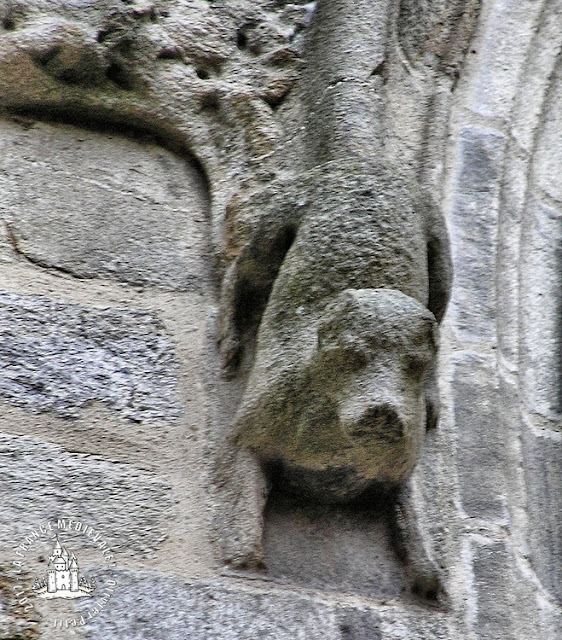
(353, 437)
(42, 482)
(492, 566)
(535, 81)
(98, 205)
(205, 76)
(500, 52)
(346, 44)
(341, 549)
(59, 357)
(480, 438)
(336, 400)
(148, 605)
(356, 624)
(550, 620)
(419, 626)
(474, 220)
(436, 33)
(513, 196)
(547, 157)
(151, 606)
(543, 473)
(16, 623)
(540, 329)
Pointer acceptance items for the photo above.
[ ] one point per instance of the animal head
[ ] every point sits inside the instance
(351, 414)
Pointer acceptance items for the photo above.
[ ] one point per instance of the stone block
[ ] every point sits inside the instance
(146, 605)
(103, 206)
(540, 276)
(543, 474)
(492, 569)
(547, 154)
(357, 624)
(481, 453)
(513, 195)
(550, 620)
(501, 51)
(536, 80)
(333, 548)
(149, 606)
(473, 225)
(59, 357)
(41, 482)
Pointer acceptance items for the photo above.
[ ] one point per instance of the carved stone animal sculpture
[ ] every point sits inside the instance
(341, 388)
(351, 260)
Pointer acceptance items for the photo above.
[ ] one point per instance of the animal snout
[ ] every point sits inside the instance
(376, 422)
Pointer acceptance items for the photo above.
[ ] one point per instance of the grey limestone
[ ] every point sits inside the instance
(331, 547)
(510, 249)
(147, 605)
(547, 156)
(473, 219)
(543, 462)
(492, 567)
(480, 442)
(359, 625)
(550, 621)
(536, 77)
(59, 357)
(104, 206)
(150, 606)
(498, 54)
(42, 482)
(540, 276)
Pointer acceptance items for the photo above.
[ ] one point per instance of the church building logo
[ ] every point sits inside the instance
(66, 570)
(63, 579)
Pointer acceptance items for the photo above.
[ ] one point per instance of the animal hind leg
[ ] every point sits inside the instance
(424, 576)
(241, 491)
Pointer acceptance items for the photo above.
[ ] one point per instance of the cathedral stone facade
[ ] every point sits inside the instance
(280, 319)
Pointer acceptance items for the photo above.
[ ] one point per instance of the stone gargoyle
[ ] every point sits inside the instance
(348, 269)
(340, 274)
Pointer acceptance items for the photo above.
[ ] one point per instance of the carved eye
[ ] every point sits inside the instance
(346, 354)
(353, 356)
(8, 23)
(417, 365)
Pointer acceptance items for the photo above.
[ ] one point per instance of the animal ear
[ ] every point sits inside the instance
(337, 319)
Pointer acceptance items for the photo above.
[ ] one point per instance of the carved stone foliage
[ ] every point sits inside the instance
(202, 75)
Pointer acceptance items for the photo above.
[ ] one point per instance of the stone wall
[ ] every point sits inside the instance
(121, 190)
